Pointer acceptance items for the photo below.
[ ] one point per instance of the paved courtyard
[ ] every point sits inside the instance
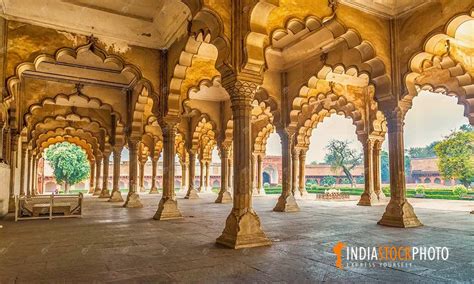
(113, 244)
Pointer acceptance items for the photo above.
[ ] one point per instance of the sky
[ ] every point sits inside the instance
(432, 117)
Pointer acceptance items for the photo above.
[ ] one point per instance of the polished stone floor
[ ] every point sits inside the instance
(113, 244)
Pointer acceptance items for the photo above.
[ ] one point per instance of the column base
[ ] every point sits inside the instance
(192, 194)
(142, 189)
(368, 199)
(105, 193)
(167, 210)
(91, 190)
(381, 196)
(301, 194)
(11, 204)
(133, 201)
(97, 192)
(116, 196)
(225, 197)
(243, 230)
(153, 190)
(399, 215)
(472, 212)
(286, 204)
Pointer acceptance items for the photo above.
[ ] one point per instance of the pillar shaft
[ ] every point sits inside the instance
(116, 195)
(154, 170)
(260, 174)
(168, 206)
(34, 176)
(208, 175)
(230, 172)
(98, 169)
(13, 145)
(294, 171)
(141, 179)
(133, 198)
(191, 193)
(201, 176)
(105, 178)
(252, 174)
(286, 201)
(399, 212)
(22, 170)
(224, 194)
(242, 227)
(184, 178)
(92, 177)
(368, 197)
(29, 174)
(377, 171)
(302, 173)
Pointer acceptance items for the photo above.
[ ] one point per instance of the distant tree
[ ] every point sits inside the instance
(423, 152)
(313, 163)
(385, 166)
(69, 163)
(341, 156)
(456, 157)
(466, 128)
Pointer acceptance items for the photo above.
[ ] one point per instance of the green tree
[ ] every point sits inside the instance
(328, 181)
(423, 152)
(456, 157)
(384, 166)
(341, 156)
(69, 163)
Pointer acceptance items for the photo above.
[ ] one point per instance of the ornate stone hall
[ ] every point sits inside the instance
(176, 80)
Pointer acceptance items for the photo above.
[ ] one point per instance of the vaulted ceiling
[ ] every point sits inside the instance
(148, 23)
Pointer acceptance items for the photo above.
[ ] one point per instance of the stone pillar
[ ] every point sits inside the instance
(302, 174)
(168, 206)
(286, 201)
(23, 170)
(116, 195)
(230, 178)
(377, 172)
(201, 176)
(260, 189)
(133, 198)
(29, 173)
(368, 197)
(294, 171)
(34, 177)
(13, 165)
(98, 167)
(224, 195)
(141, 179)
(184, 175)
(2, 142)
(192, 192)
(399, 213)
(242, 228)
(105, 193)
(252, 175)
(154, 166)
(92, 177)
(208, 176)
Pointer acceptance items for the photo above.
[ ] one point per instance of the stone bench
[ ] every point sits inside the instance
(332, 194)
(48, 206)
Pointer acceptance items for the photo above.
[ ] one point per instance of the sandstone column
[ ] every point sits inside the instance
(184, 175)
(192, 192)
(154, 167)
(294, 171)
(224, 194)
(92, 177)
(368, 197)
(230, 172)
(34, 177)
(302, 174)
(208, 176)
(141, 180)
(399, 213)
(133, 198)
(13, 164)
(201, 175)
(29, 174)
(286, 201)
(260, 189)
(168, 206)
(377, 171)
(98, 166)
(116, 195)
(23, 169)
(105, 193)
(242, 227)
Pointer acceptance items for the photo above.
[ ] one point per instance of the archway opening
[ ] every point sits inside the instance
(67, 165)
(438, 148)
